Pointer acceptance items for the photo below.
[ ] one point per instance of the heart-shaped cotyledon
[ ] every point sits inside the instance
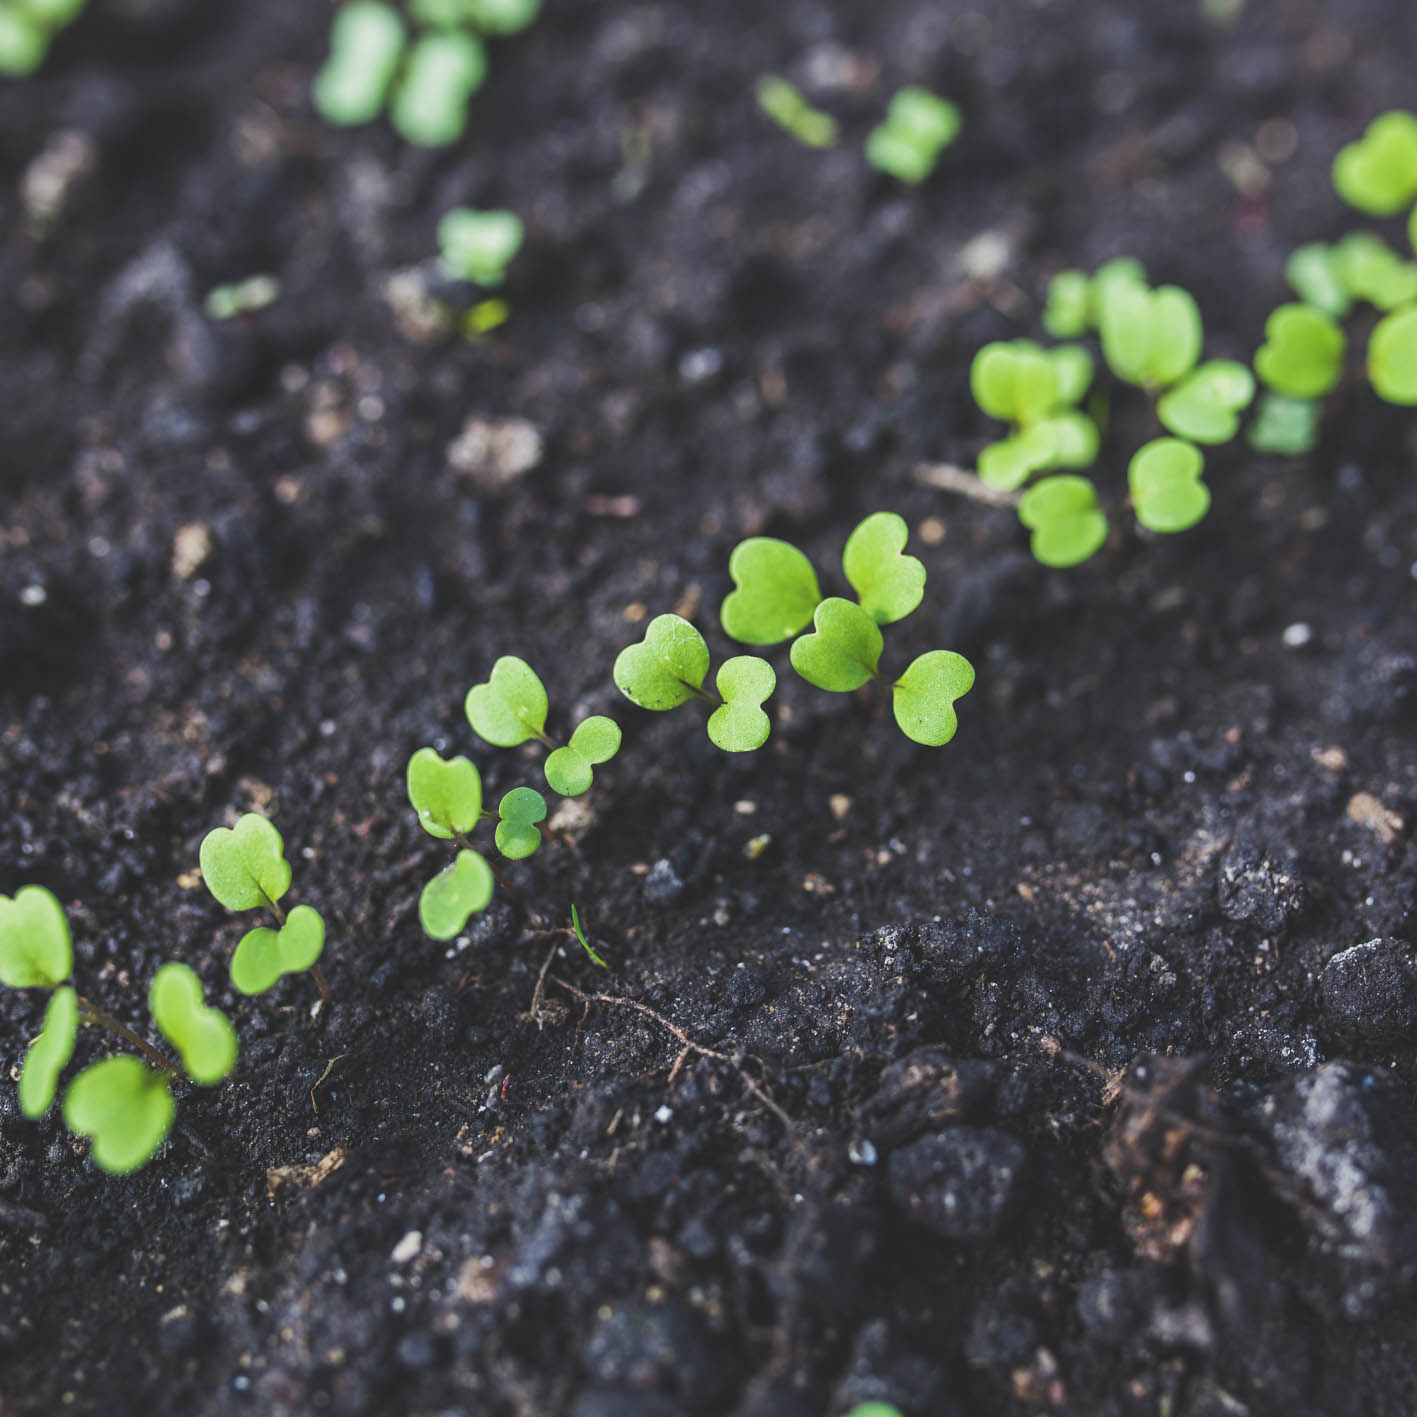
(776, 592)
(842, 652)
(1066, 522)
(923, 698)
(125, 1107)
(1165, 480)
(35, 947)
(888, 584)
(739, 724)
(203, 1036)
(510, 707)
(265, 955)
(453, 894)
(571, 770)
(667, 668)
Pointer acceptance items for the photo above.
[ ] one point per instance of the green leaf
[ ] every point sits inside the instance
(126, 1108)
(264, 956)
(502, 16)
(1015, 381)
(918, 126)
(1120, 273)
(366, 44)
(446, 794)
(1150, 337)
(1392, 357)
(1378, 173)
(35, 948)
(1165, 480)
(923, 697)
(1074, 436)
(1302, 356)
(1066, 308)
(453, 894)
(478, 246)
(1283, 425)
(1369, 269)
(1310, 270)
(888, 584)
(49, 1054)
(203, 1036)
(1066, 522)
(739, 725)
(1073, 370)
(245, 867)
(580, 935)
(570, 770)
(793, 114)
(776, 592)
(1011, 461)
(23, 44)
(667, 668)
(844, 650)
(445, 68)
(510, 707)
(519, 812)
(1206, 404)
(890, 151)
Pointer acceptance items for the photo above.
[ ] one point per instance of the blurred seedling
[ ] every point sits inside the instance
(27, 28)
(443, 71)
(123, 1104)
(499, 17)
(918, 127)
(478, 246)
(242, 297)
(244, 868)
(1377, 174)
(366, 45)
(1065, 521)
(784, 104)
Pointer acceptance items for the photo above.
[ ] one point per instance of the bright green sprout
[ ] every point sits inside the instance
(1064, 517)
(518, 813)
(888, 584)
(776, 592)
(580, 935)
(1284, 425)
(1378, 173)
(511, 707)
(1009, 463)
(1067, 310)
(919, 126)
(446, 793)
(36, 951)
(366, 44)
(1302, 356)
(1120, 273)
(1392, 357)
(444, 69)
(922, 699)
(1369, 269)
(1206, 405)
(570, 770)
(843, 650)
(125, 1107)
(265, 956)
(1165, 480)
(739, 724)
(478, 246)
(242, 297)
(667, 668)
(502, 16)
(484, 317)
(203, 1036)
(874, 1409)
(1150, 338)
(26, 29)
(455, 893)
(1015, 381)
(792, 113)
(49, 1054)
(1311, 271)
(245, 866)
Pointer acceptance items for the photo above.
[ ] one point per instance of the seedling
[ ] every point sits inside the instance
(793, 114)
(1205, 406)
(502, 16)
(478, 246)
(1150, 338)
(518, 815)
(27, 27)
(366, 45)
(1067, 310)
(1369, 269)
(1378, 173)
(1284, 425)
(1392, 357)
(873, 1409)
(444, 69)
(1165, 480)
(126, 1109)
(245, 869)
(585, 943)
(1067, 524)
(1311, 271)
(919, 126)
(1302, 356)
(242, 297)
(203, 1037)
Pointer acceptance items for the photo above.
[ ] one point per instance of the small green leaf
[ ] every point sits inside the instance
(446, 794)
(478, 246)
(1392, 357)
(502, 16)
(203, 1036)
(1073, 369)
(510, 707)
(1206, 404)
(366, 44)
(570, 770)
(444, 69)
(888, 585)
(776, 592)
(793, 114)
(1369, 269)
(739, 725)
(453, 894)
(23, 43)
(127, 1109)
(667, 668)
(49, 1054)
(1120, 273)
(844, 650)
(1283, 425)
(264, 955)
(1310, 270)
(245, 867)
(1302, 356)
(1066, 522)
(1011, 461)
(1075, 438)
(918, 126)
(519, 812)
(1066, 308)
(1165, 480)
(1150, 337)
(1378, 173)
(35, 948)
(580, 935)
(1015, 381)
(923, 697)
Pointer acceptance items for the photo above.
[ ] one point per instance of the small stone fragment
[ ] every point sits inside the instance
(1369, 992)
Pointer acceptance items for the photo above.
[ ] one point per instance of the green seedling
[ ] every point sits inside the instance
(775, 593)
(243, 297)
(203, 1036)
(1370, 270)
(1302, 356)
(585, 943)
(1284, 425)
(1392, 357)
(27, 28)
(1063, 515)
(1165, 481)
(510, 709)
(245, 869)
(668, 668)
(785, 105)
(366, 45)
(1150, 338)
(36, 951)
(1312, 273)
(874, 1409)
(518, 814)
(49, 1054)
(125, 1107)
(429, 105)
(919, 126)
(1205, 406)
(1378, 173)
(889, 585)
(461, 890)
(502, 17)
(478, 246)
(484, 317)
(446, 794)
(1067, 308)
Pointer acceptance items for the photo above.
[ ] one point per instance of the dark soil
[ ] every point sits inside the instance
(1068, 1069)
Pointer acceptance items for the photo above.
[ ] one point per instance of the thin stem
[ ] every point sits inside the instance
(702, 695)
(546, 742)
(91, 1013)
(321, 983)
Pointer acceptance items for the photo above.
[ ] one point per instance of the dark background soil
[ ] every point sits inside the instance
(1161, 830)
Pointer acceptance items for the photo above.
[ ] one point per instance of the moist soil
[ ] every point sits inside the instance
(1066, 1069)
